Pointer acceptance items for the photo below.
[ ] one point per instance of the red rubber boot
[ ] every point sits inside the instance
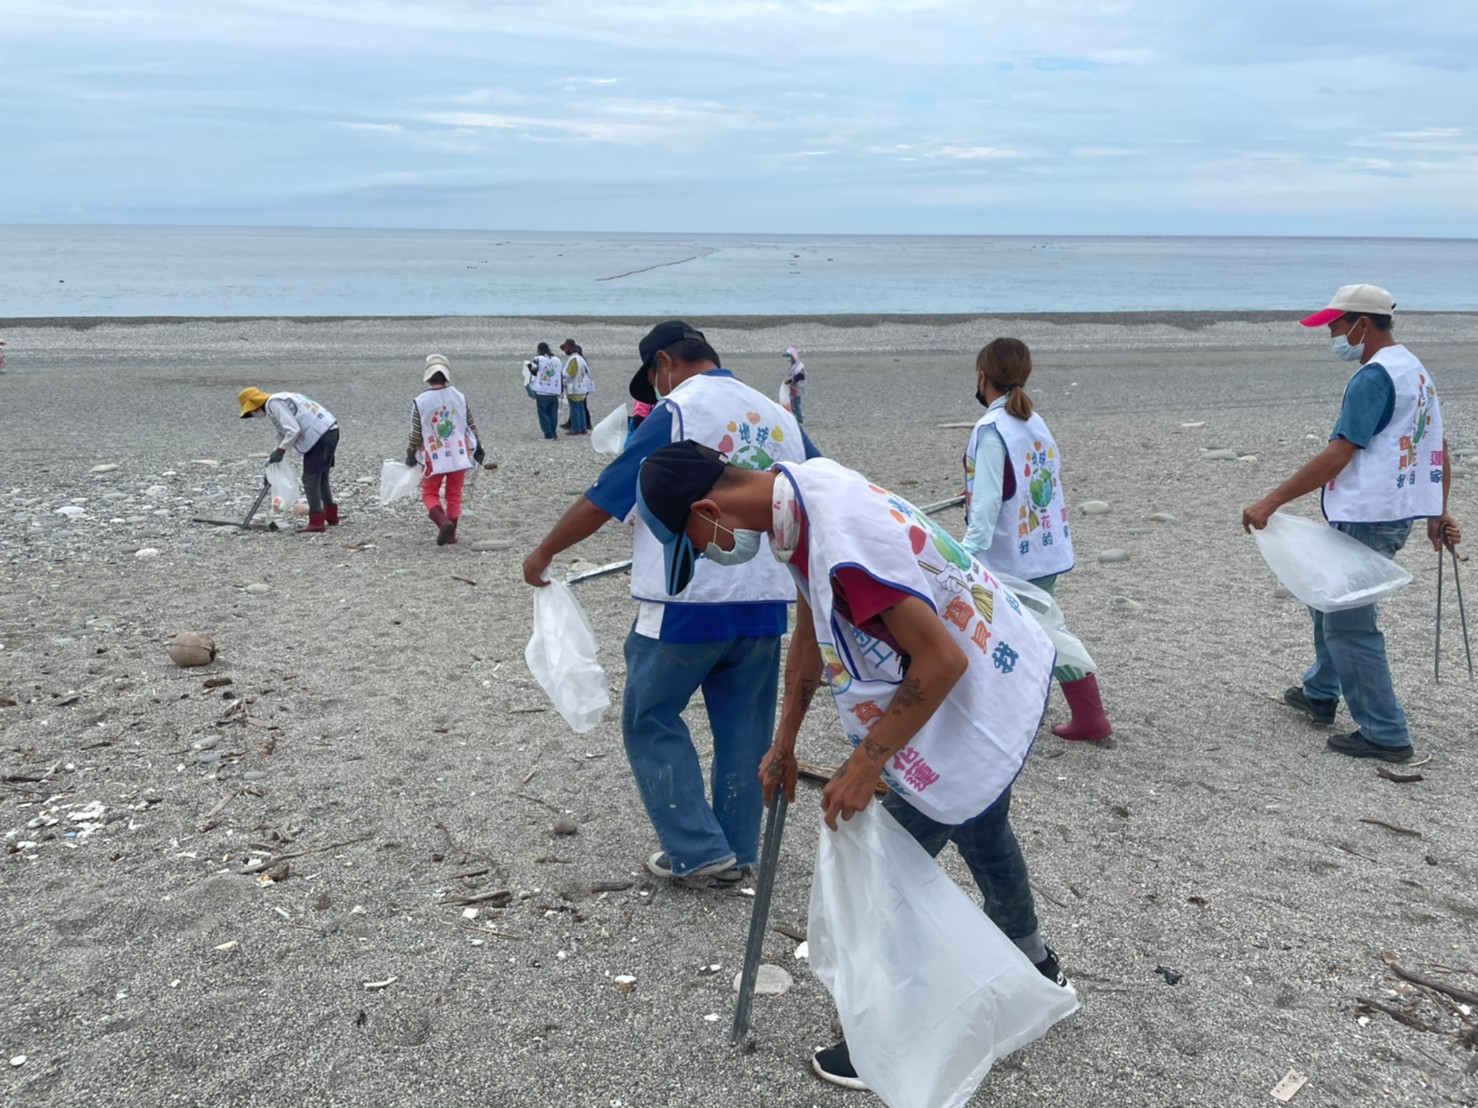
(444, 526)
(316, 524)
(1088, 723)
(331, 515)
(451, 540)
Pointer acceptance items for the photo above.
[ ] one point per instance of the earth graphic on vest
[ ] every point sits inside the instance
(747, 450)
(444, 428)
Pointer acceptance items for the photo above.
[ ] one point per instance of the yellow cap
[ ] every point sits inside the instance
(251, 399)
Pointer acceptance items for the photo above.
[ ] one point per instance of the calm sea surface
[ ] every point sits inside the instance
(253, 271)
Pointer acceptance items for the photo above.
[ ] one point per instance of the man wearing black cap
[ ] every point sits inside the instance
(719, 633)
(939, 677)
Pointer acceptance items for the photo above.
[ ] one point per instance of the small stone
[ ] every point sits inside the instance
(1311, 438)
(146, 552)
(769, 981)
(1219, 455)
(217, 682)
(258, 588)
(156, 490)
(1163, 517)
(254, 775)
(323, 903)
(1094, 508)
(1124, 604)
(625, 982)
(1282, 593)
(565, 826)
(366, 480)
(209, 463)
(1192, 426)
(108, 467)
(484, 546)
(1247, 457)
(71, 510)
(18, 1060)
(1112, 557)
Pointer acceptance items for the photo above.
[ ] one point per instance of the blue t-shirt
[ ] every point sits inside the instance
(1370, 401)
(614, 492)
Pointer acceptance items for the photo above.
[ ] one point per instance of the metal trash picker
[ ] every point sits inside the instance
(250, 512)
(1461, 610)
(764, 888)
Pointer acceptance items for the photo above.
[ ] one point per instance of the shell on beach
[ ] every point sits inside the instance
(189, 649)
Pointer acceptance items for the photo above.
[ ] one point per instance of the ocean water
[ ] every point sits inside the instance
(265, 271)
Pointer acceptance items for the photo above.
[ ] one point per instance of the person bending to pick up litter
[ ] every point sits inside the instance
(719, 632)
(938, 675)
(444, 442)
(1384, 468)
(310, 429)
(1016, 507)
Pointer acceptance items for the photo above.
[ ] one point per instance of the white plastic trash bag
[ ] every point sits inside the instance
(561, 656)
(1325, 568)
(1043, 607)
(784, 395)
(609, 435)
(396, 480)
(929, 991)
(286, 490)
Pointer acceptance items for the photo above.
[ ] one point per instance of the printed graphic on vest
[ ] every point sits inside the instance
(833, 672)
(1425, 394)
(747, 450)
(442, 428)
(1039, 471)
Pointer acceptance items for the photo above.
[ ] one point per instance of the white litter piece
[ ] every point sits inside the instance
(803, 952)
(232, 945)
(20, 1059)
(1292, 1082)
(625, 982)
(70, 510)
(381, 984)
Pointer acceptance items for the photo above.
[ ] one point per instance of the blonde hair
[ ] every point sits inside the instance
(1006, 364)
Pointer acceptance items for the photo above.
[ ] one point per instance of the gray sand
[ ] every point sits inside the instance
(388, 704)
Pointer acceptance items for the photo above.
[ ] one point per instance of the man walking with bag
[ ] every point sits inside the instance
(1384, 468)
(719, 632)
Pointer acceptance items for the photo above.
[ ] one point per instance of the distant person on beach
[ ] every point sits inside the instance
(2, 353)
(444, 443)
(579, 386)
(795, 381)
(309, 428)
(938, 676)
(547, 385)
(719, 632)
(1016, 507)
(1384, 468)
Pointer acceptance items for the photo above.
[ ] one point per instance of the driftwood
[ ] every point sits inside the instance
(1391, 827)
(503, 896)
(267, 863)
(790, 932)
(826, 773)
(1396, 1014)
(1399, 778)
(1462, 995)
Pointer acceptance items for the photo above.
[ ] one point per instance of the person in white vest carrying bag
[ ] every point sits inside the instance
(309, 428)
(444, 443)
(719, 633)
(939, 677)
(579, 386)
(1384, 468)
(1016, 506)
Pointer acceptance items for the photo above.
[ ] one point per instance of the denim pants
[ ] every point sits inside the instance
(795, 409)
(548, 415)
(1350, 652)
(579, 415)
(740, 679)
(990, 850)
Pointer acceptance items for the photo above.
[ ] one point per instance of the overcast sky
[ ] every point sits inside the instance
(977, 116)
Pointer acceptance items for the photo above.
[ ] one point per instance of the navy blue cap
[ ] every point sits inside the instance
(658, 338)
(669, 481)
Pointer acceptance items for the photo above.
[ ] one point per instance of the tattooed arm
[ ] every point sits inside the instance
(936, 664)
(802, 679)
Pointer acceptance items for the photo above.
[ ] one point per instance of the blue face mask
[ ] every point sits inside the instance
(1344, 351)
(746, 546)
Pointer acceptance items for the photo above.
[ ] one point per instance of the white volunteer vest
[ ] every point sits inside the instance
(1399, 473)
(548, 376)
(581, 382)
(1031, 538)
(755, 433)
(973, 747)
(313, 419)
(447, 444)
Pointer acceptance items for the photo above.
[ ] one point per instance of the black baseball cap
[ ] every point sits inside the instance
(668, 482)
(658, 338)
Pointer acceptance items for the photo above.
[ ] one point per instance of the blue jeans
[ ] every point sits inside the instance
(1350, 652)
(548, 415)
(740, 679)
(795, 409)
(579, 416)
(990, 850)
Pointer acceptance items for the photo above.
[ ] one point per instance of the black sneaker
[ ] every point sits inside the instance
(1357, 745)
(724, 870)
(1049, 969)
(834, 1064)
(1320, 712)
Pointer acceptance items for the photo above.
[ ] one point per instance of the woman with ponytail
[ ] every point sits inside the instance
(1015, 506)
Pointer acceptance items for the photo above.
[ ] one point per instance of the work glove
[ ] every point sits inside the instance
(410, 460)
(276, 456)
(478, 455)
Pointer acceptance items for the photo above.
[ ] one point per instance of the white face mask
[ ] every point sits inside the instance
(746, 546)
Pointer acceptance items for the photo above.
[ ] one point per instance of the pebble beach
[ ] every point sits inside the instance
(358, 859)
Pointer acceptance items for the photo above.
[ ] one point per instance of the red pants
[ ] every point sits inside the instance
(431, 492)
